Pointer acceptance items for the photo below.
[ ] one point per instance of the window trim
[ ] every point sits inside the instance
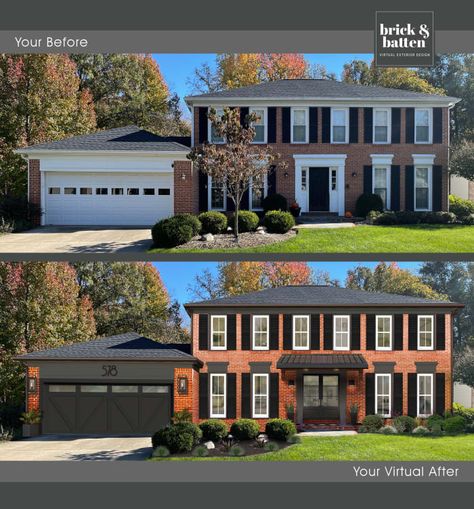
(431, 395)
(346, 125)
(209, 125)
(377, 375)
(389, 126)
(209, 196)
(215, 415)
(308, 333)
(267, 317)
(430, 126)
(382, 348)
(419, 347)
(348, 333)
(265, 123)
(388, 178)
(306, 131)
(267, 414)
(212, 347)
(429, 167)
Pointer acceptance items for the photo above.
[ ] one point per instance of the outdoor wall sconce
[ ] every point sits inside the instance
(32, 384)
(354, 174)
(183, 176)
(286, 174)
(182, 385)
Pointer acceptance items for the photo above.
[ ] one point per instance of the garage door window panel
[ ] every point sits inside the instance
(54, 190)
(125, 389)
(94, 388)
(155, 389)
(102, 190)
(149, 191)
(133, 191)
(164, 192)
(70, 190)
(57, 388)
(117, 191)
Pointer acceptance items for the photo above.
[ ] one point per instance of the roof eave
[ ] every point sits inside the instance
(32, 151)
(27, 358)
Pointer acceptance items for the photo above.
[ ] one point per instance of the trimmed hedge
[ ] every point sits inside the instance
(367, 202)
(277, 221)
(247, 221)
(176, 230)
(404, 424)
(372, 423)
(460, 207)
(467, 413)
(390, 218)
(435, 420)
(387, 430)
(213, 429)
(180, 437)
(456, 424)
(275, 202)
(244, 429)
(213, 222)
(280, 429)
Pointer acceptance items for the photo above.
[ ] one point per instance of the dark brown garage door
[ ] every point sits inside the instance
(105, 408)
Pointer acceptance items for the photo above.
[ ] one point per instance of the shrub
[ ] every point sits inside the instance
(161, 452)
(275, 202)
(294, 439)
(201, 451)
(421, 431)
(456, 424)
(31, 416)
(244, 429)
(389, 218)
(184, 415)
(18, 211)
(404, 424)
(236, 450)
(280, 429)
(469, 428)
(180, 437)
(362, 429)
(172, 232)
(191, 220)
(436, 430)
(213, 222)
(434, 420)
(387, 430)
(372, 423)
(277, 221)
(271, 447)
(248, 221)
(460, 207)
(367, 202)
(213, 429)
(467, 413)
(469, 220)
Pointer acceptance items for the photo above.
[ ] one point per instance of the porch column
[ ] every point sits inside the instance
(342, 397)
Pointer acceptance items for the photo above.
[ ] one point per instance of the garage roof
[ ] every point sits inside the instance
(128, 346)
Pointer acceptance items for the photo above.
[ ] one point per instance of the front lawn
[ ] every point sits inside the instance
(364, 447)
(367, 239)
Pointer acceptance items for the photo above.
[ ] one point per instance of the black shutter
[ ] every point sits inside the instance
(203, 196)
(244, 202)
(245, 340)
(355, 332)
(244, 111)
(409, 125)
(368, 125)
(396, 116)
(440, 332)
(368, 179)
(313, 125)
(369, 394)
(287, 332)
(272, 122)
(412, 332)
(203, 332)
(231, 403)
(440, 405)
(437, 188)
(231, 332)
(326, 125)
(395, 187)
(245, 396)
(370, 332)
(285, 125)
(397, 407)
(412, 391)
(203, 395)
(274, 329)
(409, 188)
(328, 332)
(353, 125)
(203, 125)
(271, 180)
(274, 395)
(398, 332)
(315, 333)
(437, 125)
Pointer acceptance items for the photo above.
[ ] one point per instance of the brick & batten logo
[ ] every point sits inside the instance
(404, 39)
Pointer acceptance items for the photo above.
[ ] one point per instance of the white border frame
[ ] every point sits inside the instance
(430, 187)
(388, 179)
(211, 346)
(418, 376)
(308, 333)
(383, 348)
(306, 110)
(267, 317)
(418, 332)
(334, 347)
(346, 117)
(265, 123)
(377, 375)
(261, 416)
(211, 414)
(389, 126)
(430, 126)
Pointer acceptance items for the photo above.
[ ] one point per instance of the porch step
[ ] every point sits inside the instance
(308, 427)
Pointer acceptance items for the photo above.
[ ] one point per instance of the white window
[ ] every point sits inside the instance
(422, 188)
(425, 332)
(300, 332)
(381, 184)
(260, 332)
(260, 125)
(383, 329)
(425, 395)
(213, 137)
(339, 125)
(383, 394)
(260, 396)
(341, 332)
(258, 191)
(381, 127)
(217, 194)
(218, 332)
(299, 125)
(218, 395)
(423, 125)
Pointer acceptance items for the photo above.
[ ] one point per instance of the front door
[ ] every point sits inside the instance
(321, 397)
(319, 189)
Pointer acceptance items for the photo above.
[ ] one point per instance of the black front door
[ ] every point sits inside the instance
(321, 397)
(319, 189)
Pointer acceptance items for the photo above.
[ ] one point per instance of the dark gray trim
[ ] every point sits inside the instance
(260, 367)
(426, 367)
(217, 367)
(384, 367)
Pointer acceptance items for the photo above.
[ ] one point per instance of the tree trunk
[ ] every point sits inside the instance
(236, 220)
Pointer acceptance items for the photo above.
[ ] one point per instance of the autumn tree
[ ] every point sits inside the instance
(287, 273)
(283, 66)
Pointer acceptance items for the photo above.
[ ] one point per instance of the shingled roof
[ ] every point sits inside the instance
(321, 361)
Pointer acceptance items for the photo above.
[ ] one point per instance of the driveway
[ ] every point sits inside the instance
(77, 239)
(76, 448)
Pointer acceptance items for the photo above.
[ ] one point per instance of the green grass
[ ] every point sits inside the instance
(366, 447)
(367, 239)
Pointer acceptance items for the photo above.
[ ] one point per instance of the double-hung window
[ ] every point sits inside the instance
(339, 125)
(381, 184)
(423, 125)
(260, 332)
(425, 394)
(260, 125)
(425, 332)
(383, 331)
(213, 136)
(218, 332)
(258, 189)
(217, 193)
(300, 332)
(381, 128)
(260, 395)
(218, 395)
(299, 127)
(422, 188)
(383, 394)
(341, 332)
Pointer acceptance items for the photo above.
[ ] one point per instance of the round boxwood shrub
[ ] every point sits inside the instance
(176, 230)
(456, 424)
(294, 439)
(213, 429)
(421, 431)
(161, 451)
(469, 220)
(248, 221)
(280, 429)
(367, 202)
(433, 420)
(244, 429)
(372, 423)
(180, 437)
(236, 450)
(201, 451)
(213, 222)
(460, 207)
(271, 447)
(277, 221)
(387, 430)
(404, 424)
(275, 202)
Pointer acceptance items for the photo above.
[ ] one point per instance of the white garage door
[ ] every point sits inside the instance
(108, 199)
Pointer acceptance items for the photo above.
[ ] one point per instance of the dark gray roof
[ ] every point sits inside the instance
(317, 88)
(128, 346)
(321, 360)
(314, 295)
(121, 138)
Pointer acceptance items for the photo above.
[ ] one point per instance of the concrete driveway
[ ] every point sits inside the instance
(76, 448)
(77, 239)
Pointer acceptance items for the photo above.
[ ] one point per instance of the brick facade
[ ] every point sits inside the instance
(34, 185)
(185, 188)
(33, 398)
(184, 401)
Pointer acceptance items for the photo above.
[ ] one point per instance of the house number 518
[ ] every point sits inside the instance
(109, 370)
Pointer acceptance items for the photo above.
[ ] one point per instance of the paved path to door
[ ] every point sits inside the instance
(76, 448)
(70, 239)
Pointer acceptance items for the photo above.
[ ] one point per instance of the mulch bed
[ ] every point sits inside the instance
(249, 446)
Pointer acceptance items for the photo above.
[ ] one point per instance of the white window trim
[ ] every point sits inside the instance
(209, 196)
(346, 116)
(254, 317)
(225, 332)
(430, 187)
(213, 375)
(306, 137)
(265, 192)
(265, 124)
(418, 377)
(377, 375)
(419, 317)
(348, 332)
(377, 347)
(294, 333)
(389, 127)
(388, 178)
(430, 127)
(209, 126)
(255, 415)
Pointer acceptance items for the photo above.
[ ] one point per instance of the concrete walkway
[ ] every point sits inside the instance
(324, 225)
(326, 433)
